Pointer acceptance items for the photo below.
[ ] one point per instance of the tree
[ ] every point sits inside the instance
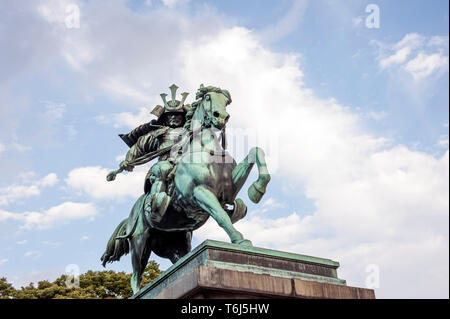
(6, 289)
(92, 285)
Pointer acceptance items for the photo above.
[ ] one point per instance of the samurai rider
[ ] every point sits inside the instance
(162, 138)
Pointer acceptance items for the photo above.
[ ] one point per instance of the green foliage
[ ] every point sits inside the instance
(92, 285)
(6, 289)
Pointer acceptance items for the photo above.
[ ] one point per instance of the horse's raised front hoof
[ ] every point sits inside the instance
(258, 188)
(254, 194)
(244, 242)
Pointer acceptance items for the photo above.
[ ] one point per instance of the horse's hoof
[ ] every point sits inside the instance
(239, 211)
(254, 194)
(258, 188)
(244, 242)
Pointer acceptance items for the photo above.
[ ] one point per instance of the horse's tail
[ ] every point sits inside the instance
(117, 246)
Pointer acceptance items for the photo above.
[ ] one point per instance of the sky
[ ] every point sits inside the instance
(349, 100)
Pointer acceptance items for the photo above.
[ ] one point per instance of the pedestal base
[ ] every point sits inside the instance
(223, 270)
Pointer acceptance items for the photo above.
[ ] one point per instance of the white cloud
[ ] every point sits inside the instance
(2, 147)
(418, 55)
(22, 242)
(20, 147)
(84, 238)
(170, 3)
(127, 119)
(131, 120)
(439, 42)
(411, 40)
(51, 243)
(443, 142)
(13, 193)
(288, 23)
(26, 176)
(269, 204)
(425, 64)
(278, 233)
(34, 254)
(144, 39)
(3, 261)
(58, 215)
(54, 111)
(49, 180)
(53, 11)
(120, 158)
(24, 278)
(377, 116)
(91, 181)
(399, 57)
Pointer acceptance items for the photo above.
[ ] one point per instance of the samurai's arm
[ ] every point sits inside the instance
(145, 144)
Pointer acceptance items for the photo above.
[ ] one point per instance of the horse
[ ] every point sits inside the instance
(205, 183)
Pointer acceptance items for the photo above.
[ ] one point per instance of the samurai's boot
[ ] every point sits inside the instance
(157, 201)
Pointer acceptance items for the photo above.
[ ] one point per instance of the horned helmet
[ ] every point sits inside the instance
(172, 106)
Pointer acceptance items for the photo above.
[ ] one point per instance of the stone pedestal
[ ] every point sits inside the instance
(223, 270)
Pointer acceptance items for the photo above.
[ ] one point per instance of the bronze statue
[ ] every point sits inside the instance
(194, 178)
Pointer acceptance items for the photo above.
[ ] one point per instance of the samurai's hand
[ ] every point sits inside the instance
(124, 165)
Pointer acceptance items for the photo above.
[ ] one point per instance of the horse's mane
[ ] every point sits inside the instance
(199, 96)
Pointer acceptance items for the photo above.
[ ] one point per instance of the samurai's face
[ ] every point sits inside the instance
(174, 120)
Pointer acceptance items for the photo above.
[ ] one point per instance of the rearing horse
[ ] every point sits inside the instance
(206, 180)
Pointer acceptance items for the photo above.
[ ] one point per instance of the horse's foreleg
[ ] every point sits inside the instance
(208, 202)
(240, 174)
(242, 170)
(258, 188)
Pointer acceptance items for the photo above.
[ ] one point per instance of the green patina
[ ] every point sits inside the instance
(194, 178)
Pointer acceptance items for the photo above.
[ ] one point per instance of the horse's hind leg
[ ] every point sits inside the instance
(180, 245)
(139, 258)
(208, 202)
(172, 245)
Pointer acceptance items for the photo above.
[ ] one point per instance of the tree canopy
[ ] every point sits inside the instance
(92, 285)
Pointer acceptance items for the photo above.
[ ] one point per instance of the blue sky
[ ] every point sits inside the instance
(354, 121)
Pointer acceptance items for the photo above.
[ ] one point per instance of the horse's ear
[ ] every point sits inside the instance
(228, 96)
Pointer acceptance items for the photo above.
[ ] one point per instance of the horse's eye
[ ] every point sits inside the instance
(207, 98)
(216, 114)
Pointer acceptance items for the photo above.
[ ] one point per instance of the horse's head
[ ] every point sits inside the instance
(211, 107)
(215, 104)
